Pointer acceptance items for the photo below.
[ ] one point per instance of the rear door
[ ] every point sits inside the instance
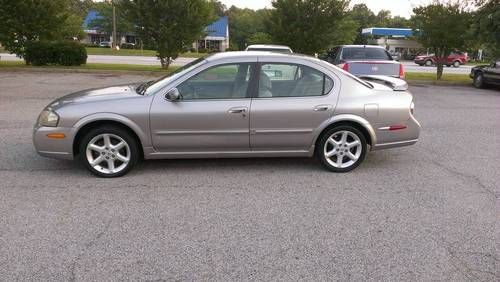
(293, 100)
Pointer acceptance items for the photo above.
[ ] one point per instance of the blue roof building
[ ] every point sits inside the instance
(217, 36)
(216, 39)
(396, 40)
(387, 31)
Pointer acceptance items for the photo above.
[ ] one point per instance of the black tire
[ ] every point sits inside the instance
(456, 64)
(133, 149)
(478, 80)
(323, 139)
(428, 63)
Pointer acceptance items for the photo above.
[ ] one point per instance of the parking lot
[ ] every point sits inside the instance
(425, 212)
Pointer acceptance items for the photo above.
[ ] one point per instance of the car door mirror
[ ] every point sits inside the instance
(173, 95)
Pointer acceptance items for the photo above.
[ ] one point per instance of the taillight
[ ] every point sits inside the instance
(345, 67)
(401, 71)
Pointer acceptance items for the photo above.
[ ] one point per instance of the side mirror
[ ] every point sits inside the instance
(173, 95)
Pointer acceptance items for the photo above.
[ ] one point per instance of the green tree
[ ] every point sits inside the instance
(23, 21)
(169, 26)
(441, 27)
(309, 26)
(218, 7)
(364, 17)
(80, 8)
(260, 38)
(244, 24)
(486, 26)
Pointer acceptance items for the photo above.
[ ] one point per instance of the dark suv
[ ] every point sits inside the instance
(363, 60)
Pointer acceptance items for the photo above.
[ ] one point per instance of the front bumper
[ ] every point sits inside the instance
(60, 148)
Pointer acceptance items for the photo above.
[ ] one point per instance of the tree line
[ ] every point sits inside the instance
(308, 26)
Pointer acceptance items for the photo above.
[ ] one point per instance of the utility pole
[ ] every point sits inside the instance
(114, 25)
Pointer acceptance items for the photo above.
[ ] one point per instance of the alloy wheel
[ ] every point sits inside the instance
(108, 153)
(342, 149)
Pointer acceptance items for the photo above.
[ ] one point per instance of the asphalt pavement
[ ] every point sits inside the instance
(153, 61)
(427, 212)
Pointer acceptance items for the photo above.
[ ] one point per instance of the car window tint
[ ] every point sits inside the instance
(220, 82)
(292, 80)
(362, 53)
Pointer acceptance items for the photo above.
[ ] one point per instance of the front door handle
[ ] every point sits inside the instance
(322, 108)
(238, 110)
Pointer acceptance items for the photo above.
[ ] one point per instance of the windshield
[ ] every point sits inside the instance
(363, 53)
(154, 86)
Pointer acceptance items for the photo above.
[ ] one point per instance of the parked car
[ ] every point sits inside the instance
(105, 44)
(455, 59)
(364, 60)
(395, 55)
(486, 74)
(230, 105)
(126, 45)
(270, 47)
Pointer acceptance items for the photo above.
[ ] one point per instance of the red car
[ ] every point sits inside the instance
(455, 59)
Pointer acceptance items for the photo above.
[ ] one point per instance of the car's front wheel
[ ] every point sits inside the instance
(428, 63)
(108, 151)
(341, 149)
(456, 64)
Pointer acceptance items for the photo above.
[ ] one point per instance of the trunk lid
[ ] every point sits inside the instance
(395, 84)
(358, 68)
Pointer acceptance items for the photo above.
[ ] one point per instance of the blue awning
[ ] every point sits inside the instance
(387, 31)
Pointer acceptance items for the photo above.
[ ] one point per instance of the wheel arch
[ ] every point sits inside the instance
(355, 121)
(84, 126)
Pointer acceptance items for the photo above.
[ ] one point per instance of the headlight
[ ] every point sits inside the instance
(48, 118)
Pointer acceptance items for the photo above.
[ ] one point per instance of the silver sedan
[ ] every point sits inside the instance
(234, 104)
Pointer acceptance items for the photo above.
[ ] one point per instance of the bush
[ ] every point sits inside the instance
(65, 53)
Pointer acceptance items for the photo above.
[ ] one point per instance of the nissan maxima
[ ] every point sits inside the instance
(234, 104)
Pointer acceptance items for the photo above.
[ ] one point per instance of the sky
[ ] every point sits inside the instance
(397, 7)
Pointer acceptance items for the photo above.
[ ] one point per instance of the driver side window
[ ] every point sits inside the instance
(229, 81)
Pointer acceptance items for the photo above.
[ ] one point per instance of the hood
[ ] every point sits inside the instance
(97, 94)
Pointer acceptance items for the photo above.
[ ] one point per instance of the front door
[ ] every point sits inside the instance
(292, 102)
(211, 115)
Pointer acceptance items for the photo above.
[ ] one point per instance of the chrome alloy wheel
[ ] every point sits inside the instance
(108, 153)
(342, 149)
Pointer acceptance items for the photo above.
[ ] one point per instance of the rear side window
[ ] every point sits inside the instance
(292, 80)
(362, 53)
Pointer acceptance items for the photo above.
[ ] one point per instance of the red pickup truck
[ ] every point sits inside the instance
(455, 59)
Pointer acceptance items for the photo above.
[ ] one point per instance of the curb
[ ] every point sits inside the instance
(438, 83)
(70, 70)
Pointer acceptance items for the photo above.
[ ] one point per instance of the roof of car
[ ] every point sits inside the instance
(241, 54)
(365, 46)
(268, 46)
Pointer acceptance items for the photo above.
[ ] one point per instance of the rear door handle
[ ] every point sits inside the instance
(322, 108)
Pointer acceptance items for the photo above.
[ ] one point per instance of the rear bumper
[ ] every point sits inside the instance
(54, 148)
(398, 138)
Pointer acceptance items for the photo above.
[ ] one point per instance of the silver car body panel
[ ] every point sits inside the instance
(277, 126)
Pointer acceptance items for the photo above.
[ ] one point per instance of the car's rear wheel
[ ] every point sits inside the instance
(456, 64)
(428, 63)
(341, 149)
(108, 151)
(478, 80)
